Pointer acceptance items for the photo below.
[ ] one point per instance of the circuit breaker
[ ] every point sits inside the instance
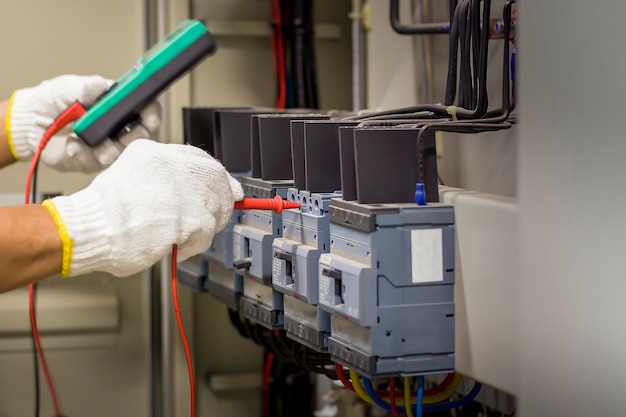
(306, 235)
(388, 283)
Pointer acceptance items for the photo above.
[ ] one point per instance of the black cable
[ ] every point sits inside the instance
(507, 103)
(465, 46)
(33, 199)
(325, 359)
(416, 29)
(452, 58)
(475, 32)
(483, 102)
(310, 60)
(235, 320)
(297, 52)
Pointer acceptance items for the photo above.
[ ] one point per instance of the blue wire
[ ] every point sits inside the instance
(430, 408)
(379, 401)
(420, 396)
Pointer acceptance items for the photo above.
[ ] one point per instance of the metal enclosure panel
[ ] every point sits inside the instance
(572, 224)
(487, 287)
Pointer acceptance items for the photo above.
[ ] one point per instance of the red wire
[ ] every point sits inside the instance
(31, 288)
(439, 388)
(72, 113)
(392, 397)
(183, 337)
(42, 358)
(267, 372)
(432, 391)
(342, 377)
(281, 101)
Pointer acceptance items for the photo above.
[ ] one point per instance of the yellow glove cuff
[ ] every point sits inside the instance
(7, 127)
(65, 237)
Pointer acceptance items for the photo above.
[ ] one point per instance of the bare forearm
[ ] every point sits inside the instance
(30, 246)
(6, 158)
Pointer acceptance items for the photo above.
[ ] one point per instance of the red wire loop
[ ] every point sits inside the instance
(278, 49)
(72, 113)
(183, 336)
(342, 377)
(267, 373)
(392, 397)
(431, 391)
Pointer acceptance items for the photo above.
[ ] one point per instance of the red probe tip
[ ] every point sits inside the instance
(276, 204)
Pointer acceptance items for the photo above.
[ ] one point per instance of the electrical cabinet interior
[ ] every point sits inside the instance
(342, 273)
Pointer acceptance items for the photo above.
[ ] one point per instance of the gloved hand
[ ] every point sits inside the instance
(32, 110)
(153, 196)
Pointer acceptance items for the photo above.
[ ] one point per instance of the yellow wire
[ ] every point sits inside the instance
(358, 388)
(445, 394)
(431, 399)
(407, 396)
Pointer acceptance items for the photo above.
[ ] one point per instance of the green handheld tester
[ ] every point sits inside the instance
(160, 66)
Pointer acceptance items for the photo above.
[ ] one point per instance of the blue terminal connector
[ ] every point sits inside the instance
(420, 194)
(513, 55)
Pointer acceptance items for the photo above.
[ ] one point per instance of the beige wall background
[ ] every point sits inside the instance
(42, 39)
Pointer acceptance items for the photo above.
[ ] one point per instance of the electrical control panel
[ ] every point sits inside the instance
(341, 275)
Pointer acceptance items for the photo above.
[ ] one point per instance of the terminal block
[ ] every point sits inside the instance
(306, 235)
(252, 254)
(388, 283)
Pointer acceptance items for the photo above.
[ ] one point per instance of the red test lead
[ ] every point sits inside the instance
(276, 204)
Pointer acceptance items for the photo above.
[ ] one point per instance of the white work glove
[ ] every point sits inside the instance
(32, 110)
(153, 196)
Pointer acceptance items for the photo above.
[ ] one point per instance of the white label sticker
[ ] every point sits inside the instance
(237, 247)
(426, 255)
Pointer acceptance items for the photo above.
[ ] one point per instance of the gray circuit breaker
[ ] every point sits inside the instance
(221, 282)
(252, 254)
(388, 283)
(306, 235)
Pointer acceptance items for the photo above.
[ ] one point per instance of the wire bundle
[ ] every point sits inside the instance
(466, 83)
(287, 350)
(426, 401)
(72, 113)
(293, 52)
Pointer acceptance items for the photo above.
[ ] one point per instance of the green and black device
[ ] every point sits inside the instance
(159, 67)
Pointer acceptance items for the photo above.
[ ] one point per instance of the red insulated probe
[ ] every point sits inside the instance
(276, 204)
